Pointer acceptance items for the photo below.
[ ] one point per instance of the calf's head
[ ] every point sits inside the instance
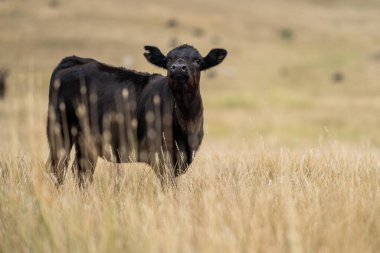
(184, 64)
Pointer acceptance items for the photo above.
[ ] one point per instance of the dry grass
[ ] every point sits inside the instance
(323, 199)
(291, 159)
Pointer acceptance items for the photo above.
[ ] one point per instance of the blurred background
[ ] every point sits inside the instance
(298, 71)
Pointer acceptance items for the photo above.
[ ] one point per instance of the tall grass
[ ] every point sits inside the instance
(301, 180)
(322, 199)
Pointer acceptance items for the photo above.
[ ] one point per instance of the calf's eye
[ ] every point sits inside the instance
(198, 61)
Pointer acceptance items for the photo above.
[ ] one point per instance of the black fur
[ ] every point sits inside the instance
(127, 116)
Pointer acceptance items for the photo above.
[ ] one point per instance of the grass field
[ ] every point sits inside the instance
(291, 156)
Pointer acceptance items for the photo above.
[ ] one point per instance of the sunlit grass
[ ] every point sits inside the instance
(290, 161)
(322, 198)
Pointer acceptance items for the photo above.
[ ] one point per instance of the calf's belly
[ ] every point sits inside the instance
(118, 155)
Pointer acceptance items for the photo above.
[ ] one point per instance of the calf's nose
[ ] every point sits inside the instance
(178, 68)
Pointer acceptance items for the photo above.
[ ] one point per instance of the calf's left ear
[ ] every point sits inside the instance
(154, 56)
(213, 58)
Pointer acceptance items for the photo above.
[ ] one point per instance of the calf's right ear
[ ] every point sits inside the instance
(213, 58)
(154, 56)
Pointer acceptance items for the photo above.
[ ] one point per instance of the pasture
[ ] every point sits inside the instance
(290, 160)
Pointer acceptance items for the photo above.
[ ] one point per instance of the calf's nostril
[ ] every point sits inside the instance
(184, 68)
(173, 67)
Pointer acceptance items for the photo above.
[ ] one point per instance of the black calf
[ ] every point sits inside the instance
(126, 116)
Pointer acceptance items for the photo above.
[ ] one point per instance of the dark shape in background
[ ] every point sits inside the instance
(171, 23)
(337, 77)
(3, 82)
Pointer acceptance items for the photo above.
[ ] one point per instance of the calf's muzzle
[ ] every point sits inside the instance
(179, 71)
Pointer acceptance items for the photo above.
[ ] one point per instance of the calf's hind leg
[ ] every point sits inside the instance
(60, 148)
(84, 164)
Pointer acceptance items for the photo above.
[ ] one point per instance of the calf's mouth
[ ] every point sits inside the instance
(179, 77)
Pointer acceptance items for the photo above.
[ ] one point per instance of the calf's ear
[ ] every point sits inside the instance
(154, 56)
(213, 58)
